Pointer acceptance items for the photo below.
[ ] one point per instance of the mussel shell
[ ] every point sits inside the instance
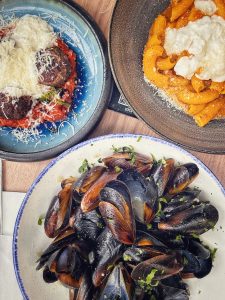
(61, 241)
(48, 276)
(166, 266)
(116, 210)
(173, 288)
(68, 281)
(69, 260)
(87, 179)
(194, 220)
(198, 260)
(176, 206)
(115, 287)
(90, 200)
(144, 194)
(58, 214)
(86, 290)
(147, 239)
(88, 225)
(183, 176)
(108, 251)
(162, 173)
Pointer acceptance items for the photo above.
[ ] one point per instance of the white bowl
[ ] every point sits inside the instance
(29, 239)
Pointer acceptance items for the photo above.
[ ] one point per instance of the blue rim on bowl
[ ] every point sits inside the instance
(73, 149)
(94, 90)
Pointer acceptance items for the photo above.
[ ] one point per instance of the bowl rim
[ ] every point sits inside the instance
(151, 126)
(106, 93)
(73, 149)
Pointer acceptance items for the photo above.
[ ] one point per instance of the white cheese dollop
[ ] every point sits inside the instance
(18, 72)
(204, 40)
(208, 7)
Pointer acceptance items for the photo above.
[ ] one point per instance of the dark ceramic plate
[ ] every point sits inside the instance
(135, 17)
(81, 33)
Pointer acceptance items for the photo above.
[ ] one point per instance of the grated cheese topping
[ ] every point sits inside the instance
(18, 73)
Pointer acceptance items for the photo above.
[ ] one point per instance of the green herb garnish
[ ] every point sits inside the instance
(127, 257)
(149, 226)
(84, 167)
(139, 138)
(41, 219)
(117, 169)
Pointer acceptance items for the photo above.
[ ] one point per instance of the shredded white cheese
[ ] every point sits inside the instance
(208, 7)
(204, 41)
(18, 72)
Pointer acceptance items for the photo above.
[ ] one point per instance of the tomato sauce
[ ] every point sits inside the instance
(53, 112)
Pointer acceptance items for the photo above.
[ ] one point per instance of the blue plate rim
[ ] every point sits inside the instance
(74, 148)
(104, 98)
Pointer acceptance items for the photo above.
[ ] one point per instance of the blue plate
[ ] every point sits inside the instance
(82, 35)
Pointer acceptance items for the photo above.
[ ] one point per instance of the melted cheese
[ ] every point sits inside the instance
(204, 41)
(18, 72)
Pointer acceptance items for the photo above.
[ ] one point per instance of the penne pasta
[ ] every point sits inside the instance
(197, 84)
(188, 97)
(180, 8)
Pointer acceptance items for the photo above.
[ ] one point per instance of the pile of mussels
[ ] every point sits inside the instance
(128, 230)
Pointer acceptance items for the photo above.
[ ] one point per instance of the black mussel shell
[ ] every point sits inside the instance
(158, 268)
(108, 252)
(162, 173)
(176, 206)
(194, 220)
(58, 214)
(69, 281)
(144, 194)
(68, 181)
(147, 239)
(116, 287)
(89, 225)
(173, 288)
(183, 176)
(48, 276)
(90, 199)
(116, 210)
(86, 290)
(197, 260)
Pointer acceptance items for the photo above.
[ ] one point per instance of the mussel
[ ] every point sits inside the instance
(87, 225)
(58, 214)
(86, 289)
(116, 210)
(144, 194)
(173, 288)
(162, 173)
(108, 251)
(183, 176)
(151, 271)
(116, 286)
(127, 159)
(90, 200)
(197, 260)
(197, 219)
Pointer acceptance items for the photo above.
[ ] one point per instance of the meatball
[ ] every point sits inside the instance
(14, 108)
(53, 67)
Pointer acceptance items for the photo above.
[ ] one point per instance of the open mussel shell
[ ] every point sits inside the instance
(48, 276)
(129, 160)
(90, 199)
(116, 286)
(61, 241)
(58, 214)
(87, 225)
(116, 210)
(108, 251)
(183, 176)
(147, 239)
(162, 173)
(69, 281)
(143, 193)
(173, 288)
(197, 260)
(195, 220)
(163, 266)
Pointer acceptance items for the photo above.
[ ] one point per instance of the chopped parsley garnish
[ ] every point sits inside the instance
(127, 257)
(84, 167)
(178, 237)
(149, 226)
(41, 219)
(139, 138)
(117, 169)
(126, 149)
(213, 253)
(149, 282)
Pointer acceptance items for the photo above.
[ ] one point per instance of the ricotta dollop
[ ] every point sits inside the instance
(208, 7)
(204, 40)
(18, 72)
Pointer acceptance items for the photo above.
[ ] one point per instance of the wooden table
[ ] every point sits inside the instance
(19, 176)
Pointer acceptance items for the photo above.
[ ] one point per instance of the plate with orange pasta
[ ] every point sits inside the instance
(169, 63)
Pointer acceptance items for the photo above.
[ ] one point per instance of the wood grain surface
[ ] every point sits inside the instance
(19, 176)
